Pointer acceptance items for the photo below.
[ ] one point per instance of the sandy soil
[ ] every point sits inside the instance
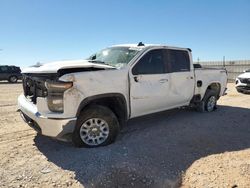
(170, 149)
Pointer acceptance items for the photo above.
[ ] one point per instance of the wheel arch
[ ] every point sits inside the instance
(115, 101)
(215, 86)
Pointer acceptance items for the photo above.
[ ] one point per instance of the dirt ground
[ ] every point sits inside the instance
(170, 149)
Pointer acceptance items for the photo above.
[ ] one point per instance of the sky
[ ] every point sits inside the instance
(42, 31)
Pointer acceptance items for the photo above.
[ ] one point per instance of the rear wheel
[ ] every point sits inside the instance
(13, 79)
(210, 104)
(209, 101)
(96, 126)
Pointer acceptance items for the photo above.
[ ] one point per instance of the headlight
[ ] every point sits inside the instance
(58, 86)
(55, 94)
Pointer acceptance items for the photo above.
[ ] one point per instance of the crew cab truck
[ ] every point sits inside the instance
(90, 100)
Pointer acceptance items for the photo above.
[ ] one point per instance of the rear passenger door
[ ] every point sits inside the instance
(181, 77)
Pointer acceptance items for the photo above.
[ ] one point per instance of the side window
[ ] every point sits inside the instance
(4, 69)
(150, 63)
(13, 69)
(17, 69)
(178, 61)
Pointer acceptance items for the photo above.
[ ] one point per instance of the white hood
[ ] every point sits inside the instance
(55, 66)
(244, 75)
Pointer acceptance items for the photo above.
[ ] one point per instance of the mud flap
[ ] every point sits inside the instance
(200, 106)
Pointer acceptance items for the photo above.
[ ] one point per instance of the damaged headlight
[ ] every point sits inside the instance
(55, 94)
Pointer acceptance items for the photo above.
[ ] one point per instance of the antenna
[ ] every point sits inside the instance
(140, 44)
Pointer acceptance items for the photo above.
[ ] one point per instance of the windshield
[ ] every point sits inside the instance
(115, 56)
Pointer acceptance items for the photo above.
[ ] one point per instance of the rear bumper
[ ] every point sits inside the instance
(53, 127)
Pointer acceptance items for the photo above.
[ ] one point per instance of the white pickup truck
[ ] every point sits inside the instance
(90, 100)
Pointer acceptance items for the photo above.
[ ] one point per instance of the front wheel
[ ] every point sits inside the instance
(96, 126)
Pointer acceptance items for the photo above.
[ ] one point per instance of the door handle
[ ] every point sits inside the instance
(136, 79)
(163, 80)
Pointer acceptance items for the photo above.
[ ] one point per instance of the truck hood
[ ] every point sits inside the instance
(55, 66)
(244, 75)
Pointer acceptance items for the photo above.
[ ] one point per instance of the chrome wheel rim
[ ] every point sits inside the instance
(94, 131)
(211, 103)
(13, 79)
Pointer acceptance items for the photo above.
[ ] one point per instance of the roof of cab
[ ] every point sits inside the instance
(149, 45)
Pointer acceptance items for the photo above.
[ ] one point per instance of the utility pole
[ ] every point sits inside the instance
(224, 63)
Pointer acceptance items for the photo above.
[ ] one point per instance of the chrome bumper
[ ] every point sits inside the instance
(53, 127)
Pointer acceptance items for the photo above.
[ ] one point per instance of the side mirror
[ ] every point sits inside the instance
(135, 71)
(93, 57)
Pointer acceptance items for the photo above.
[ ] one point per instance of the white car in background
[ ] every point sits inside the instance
(243, 82)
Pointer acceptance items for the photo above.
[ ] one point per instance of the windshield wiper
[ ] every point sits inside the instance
(100, 62)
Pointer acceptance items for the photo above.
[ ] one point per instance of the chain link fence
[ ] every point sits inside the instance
(234, 68)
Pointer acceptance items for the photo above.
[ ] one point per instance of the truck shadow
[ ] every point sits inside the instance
(154, 150)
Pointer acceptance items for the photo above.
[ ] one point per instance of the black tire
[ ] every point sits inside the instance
(210, 94)
(96, 111)
(13, 79)
(203, 106)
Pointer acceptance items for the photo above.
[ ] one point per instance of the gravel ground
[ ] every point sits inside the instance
(170, 149)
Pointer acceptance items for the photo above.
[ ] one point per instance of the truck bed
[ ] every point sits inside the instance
(210, 75)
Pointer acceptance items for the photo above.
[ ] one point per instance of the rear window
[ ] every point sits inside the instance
(17, 69)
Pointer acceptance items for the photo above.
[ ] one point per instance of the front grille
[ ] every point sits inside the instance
(245, 80)
(33, 87)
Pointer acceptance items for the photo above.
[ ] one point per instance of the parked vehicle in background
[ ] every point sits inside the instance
(10, 73)
(243, 82)
(90, 100)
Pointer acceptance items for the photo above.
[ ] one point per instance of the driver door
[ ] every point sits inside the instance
(149, 84)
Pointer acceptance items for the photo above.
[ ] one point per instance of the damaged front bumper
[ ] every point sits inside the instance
(59, 128)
